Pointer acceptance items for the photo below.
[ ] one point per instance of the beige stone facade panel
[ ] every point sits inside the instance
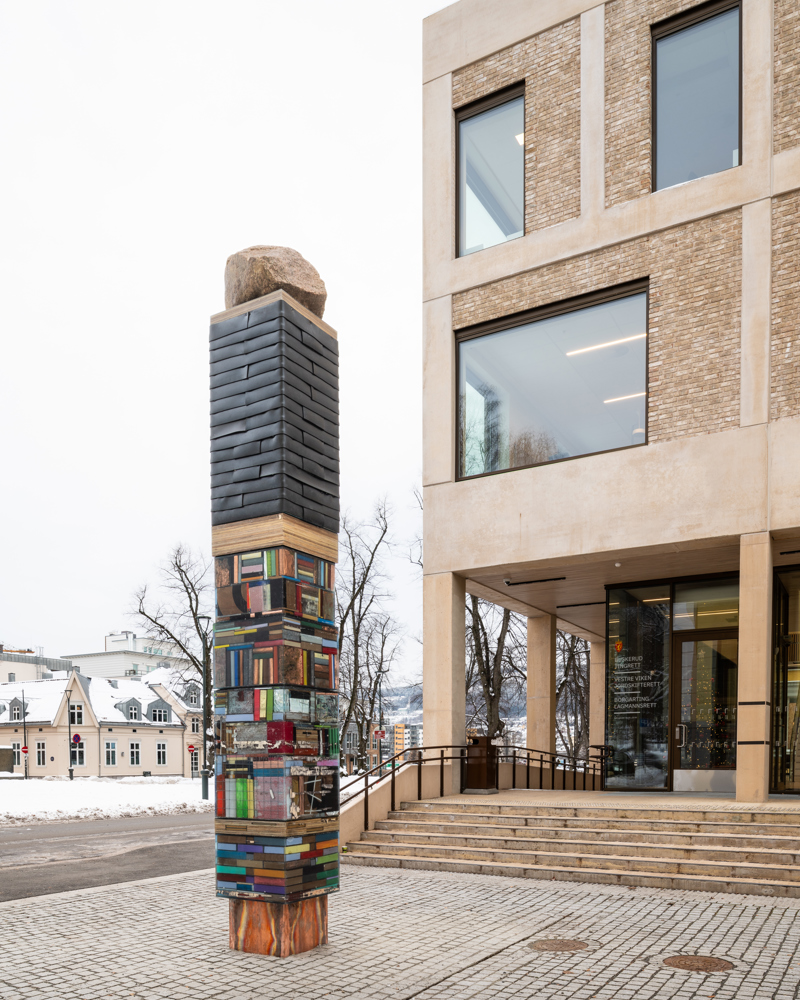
(628, 93)
(785, 342)
(550, 65)
(786, 95)
(695, 315)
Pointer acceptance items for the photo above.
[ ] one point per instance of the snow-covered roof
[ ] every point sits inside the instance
(178, 682)
(108, 699)
(42, 698)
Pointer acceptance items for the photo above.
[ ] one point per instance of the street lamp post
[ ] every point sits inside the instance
(69, 730)
(206, 662)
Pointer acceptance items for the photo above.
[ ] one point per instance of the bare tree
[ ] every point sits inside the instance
(369, 636)
(572, 693)
(496, 665)
(179, 613)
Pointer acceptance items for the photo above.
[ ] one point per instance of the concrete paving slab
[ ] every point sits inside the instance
(404, 934)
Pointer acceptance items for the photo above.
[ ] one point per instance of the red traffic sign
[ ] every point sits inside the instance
(76, 738)
(24, 749)
(380, 734)
(190, 748)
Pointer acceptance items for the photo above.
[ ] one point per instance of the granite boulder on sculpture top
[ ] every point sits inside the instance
(259, 271)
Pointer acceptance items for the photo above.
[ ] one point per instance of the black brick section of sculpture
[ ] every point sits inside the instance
(274, 418)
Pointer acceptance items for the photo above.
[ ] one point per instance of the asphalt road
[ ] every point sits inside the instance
(38, 859)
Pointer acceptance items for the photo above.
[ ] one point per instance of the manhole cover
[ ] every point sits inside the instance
(558, 944)
(698, 963)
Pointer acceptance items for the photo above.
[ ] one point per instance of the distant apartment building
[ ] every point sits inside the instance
(127, 654)
(20, 666)
(126, 726)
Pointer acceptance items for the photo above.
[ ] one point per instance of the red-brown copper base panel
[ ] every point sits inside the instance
(279, 929)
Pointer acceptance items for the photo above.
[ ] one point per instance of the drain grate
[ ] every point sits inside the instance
(558, 944)
(698, 963)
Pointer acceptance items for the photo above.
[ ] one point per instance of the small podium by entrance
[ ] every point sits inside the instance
(481, 776)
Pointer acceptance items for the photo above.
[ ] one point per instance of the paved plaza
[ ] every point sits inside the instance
(402, 934)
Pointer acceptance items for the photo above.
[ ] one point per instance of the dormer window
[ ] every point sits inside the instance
(16, 713)
(193, 696)
(160, 715)
(133, 713)
(76, 714)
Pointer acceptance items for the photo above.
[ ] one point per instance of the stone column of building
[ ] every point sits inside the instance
(755, 667)
(443, 665)
(541, 693)
(275, 502)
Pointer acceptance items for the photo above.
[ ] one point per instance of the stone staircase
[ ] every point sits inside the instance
(714, 850)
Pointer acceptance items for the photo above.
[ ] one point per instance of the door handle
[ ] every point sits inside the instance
(680, 734)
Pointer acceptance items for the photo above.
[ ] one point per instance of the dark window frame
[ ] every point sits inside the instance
(509, 322)
(472, 110)
(671, 26)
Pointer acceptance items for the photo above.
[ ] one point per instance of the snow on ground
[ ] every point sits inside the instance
(51, 800)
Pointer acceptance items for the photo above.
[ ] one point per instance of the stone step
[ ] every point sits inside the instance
(710, 826)
(702, 883)
(578, 859)
(633, 834)
(497, 841)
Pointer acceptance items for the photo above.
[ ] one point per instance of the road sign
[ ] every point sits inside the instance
(190, 749)
(24, 749)
(379, 734)
(76, 738)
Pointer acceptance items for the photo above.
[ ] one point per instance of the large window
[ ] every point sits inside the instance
(696, 76)
(111, 753)
(41, 753)
(491, 171)
(563, 384)
(16, 750)
(135, 754)
(161, 753)
(77, 755)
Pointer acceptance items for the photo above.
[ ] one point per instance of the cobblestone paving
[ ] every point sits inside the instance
(402, 934)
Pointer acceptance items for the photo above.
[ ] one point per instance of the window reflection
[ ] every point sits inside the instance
(491, 177)
(714, 604)
(697, 100)
(571, 384)
(786, 683)
(637, 694)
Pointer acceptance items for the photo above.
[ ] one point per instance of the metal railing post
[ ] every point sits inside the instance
(441, 774)
(366, 802)
(513, 768)
(419, 777)
(553, 762)
(541, 770)
(527, 770)
(393, 770)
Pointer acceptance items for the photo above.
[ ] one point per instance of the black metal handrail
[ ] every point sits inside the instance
(382, 772)
(576, 764)
(592, 765)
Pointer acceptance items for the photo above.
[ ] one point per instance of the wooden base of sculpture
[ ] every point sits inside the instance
(279, 929)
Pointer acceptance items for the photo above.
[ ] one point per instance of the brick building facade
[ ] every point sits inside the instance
(698, 505)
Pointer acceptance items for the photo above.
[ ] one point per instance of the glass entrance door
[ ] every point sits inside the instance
(705, 713)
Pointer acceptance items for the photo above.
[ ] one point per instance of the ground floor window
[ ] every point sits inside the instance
(111, 753)
(194, 758)
(16, 753)
(41, 753)
(77, 755)
(786, 682)
(135, 750)
(161, 753)
(672, 684)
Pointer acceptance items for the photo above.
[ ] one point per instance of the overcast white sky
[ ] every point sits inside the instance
(143, 142)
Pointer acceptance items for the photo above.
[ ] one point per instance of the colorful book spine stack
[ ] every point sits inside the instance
(277, 765)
